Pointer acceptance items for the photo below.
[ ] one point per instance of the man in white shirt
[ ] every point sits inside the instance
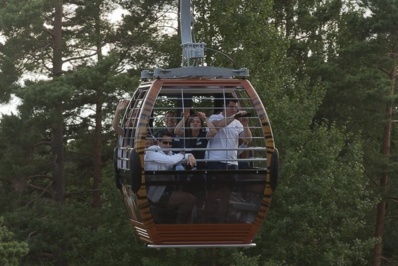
(229, 132)
(160, 157)
(222, 155)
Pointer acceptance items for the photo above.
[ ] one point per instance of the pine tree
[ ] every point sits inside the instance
(361, 96)
(11, 251)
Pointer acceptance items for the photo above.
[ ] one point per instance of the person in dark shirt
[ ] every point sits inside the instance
(170, 121)
(195, 135)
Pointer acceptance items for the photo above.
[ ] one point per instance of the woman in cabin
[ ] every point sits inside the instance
(195, 134)
(195, 138)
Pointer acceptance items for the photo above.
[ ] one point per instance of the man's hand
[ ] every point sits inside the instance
(240, 114)
(191, 160)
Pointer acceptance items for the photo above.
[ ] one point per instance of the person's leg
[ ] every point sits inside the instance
(184, 202)
(216, 166)
(212, 202)
(224, 194)
(223, 205)
(196, 185)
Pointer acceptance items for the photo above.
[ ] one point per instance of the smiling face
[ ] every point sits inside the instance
(170, 120)
(195, 123)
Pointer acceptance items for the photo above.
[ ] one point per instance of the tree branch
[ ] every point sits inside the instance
(79, 57)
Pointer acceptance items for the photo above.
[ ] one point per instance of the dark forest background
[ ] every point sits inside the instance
(326, 72)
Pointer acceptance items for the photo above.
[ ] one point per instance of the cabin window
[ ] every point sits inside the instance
(222, 196)
(230, 195)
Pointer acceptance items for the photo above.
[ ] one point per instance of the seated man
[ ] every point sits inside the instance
(160, 157)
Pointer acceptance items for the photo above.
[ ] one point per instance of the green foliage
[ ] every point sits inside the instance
(202, 256)
(76, 232)
(248, 19)
(321, 170)
(11, 250)
(240, 259)
(321, 70)
(23, 158)
(322, 204)
(362, 87)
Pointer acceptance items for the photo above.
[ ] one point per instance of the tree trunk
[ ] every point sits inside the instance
(381, 207)
(58, 123)
(98, 123)
(97, 155)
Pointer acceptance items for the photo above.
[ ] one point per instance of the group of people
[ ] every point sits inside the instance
(200, 142)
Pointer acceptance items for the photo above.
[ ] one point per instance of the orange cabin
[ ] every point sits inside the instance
(230, 204)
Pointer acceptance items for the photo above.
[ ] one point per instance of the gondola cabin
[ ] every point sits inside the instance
(197, 206)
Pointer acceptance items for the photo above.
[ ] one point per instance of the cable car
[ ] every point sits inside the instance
(230, 204)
